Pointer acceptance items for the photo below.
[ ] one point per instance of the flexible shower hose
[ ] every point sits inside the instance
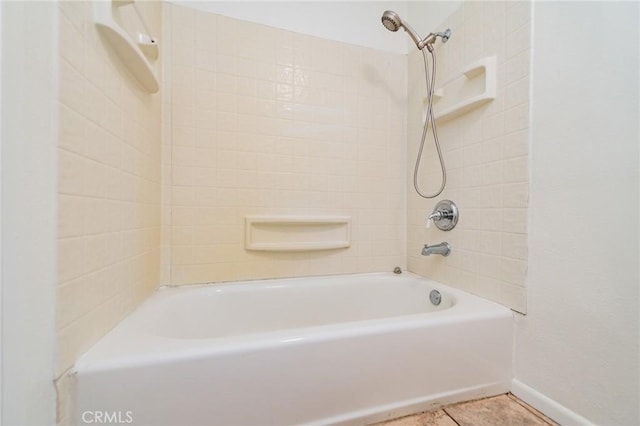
(429, 119)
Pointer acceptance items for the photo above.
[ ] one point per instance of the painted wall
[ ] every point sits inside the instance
(485, 153)
(29, 59)
(428, 16)
(109, 156)
(268, 121)
(354, 22)
(578, 345)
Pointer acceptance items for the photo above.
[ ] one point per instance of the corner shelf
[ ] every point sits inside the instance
(128, 51)
(484, 68)
(297, 233)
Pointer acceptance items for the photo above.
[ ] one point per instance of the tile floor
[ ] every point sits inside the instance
(501, 410)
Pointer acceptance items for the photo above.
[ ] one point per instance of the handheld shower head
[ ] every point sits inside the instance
(393, 22)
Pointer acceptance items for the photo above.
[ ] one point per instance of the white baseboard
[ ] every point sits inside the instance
(547, 406)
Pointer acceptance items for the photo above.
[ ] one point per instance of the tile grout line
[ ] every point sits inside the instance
(450, 416)
(510, 397)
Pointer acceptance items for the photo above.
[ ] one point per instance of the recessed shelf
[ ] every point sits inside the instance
(297, 233)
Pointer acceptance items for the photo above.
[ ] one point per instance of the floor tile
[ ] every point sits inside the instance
(428, 418)
(533, 410)
(500, 410)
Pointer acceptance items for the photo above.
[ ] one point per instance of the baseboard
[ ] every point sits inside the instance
(547, 406)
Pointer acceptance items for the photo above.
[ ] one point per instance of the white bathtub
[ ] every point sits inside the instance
(351, 349)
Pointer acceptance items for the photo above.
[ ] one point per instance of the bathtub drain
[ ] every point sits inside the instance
(435, 297)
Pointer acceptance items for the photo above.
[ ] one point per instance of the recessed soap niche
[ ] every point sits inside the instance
(137, 53)
(297, 233)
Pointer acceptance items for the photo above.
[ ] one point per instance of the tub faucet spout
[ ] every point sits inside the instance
(443, 248)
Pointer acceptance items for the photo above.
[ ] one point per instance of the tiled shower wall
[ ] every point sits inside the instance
(486, 155)
(109, 184)
(267, 121)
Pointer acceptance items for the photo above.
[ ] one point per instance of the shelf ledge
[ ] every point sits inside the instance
(126, 49)
(297, 233)
(485, 66)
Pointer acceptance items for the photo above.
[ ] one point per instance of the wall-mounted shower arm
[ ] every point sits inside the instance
(429, 40)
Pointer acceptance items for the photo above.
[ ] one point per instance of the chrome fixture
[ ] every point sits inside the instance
(397, 270)
(435, 297)
(443, 248)
(432, 37)
(392, 21)
(445, 215)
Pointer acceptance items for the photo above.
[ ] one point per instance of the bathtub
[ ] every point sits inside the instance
(352, 349)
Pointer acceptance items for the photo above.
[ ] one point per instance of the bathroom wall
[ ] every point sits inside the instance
(28, 150)
(109, 182)
(426, 16)
(486, 156)
(578, 346)
(354, 22)
(267, 121)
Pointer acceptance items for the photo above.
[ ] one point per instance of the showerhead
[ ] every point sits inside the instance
(393, 22)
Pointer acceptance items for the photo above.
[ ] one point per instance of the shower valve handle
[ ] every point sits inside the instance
(440, 215)
(445, 215)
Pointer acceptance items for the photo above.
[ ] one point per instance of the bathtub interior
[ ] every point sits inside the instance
(236, 309)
